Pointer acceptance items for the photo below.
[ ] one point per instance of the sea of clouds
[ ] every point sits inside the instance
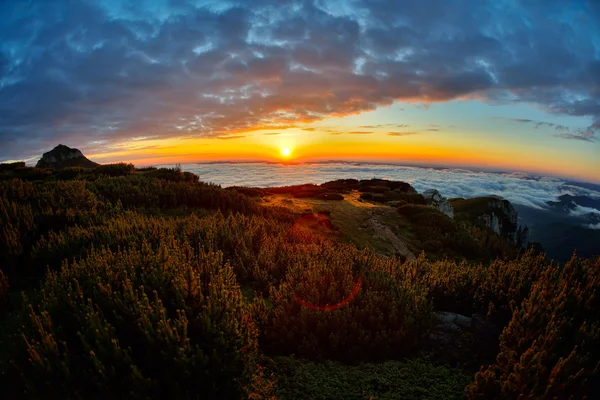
(519, 188)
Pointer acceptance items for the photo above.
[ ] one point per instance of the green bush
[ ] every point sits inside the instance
(383, 319)
(165, 323)
(407, 380)
(5, 167)
(32, 173)
(4, 293)
(330, 196)
(29, 210)
(141, 191)
(69, 173)
(551, 347)
(172, 174)
(440, 236)
(118, 169)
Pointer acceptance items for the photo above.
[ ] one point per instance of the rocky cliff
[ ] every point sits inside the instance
(63, 156)
(435, 199)
(495, 213)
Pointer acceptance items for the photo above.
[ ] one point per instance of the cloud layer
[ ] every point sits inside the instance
(519, 188)
(108, 71)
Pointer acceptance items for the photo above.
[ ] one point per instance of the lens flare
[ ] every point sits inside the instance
(334, 306)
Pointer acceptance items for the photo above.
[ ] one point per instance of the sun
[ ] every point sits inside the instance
(286, 152)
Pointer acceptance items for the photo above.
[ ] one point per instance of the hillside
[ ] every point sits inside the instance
(394, 220)
(147, 283)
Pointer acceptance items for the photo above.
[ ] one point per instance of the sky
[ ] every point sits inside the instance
(501, 85)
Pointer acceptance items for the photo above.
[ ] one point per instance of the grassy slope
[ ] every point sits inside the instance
(406, 380)
(471, 208)
(354, 219)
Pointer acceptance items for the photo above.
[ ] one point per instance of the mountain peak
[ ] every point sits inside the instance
(63, 156)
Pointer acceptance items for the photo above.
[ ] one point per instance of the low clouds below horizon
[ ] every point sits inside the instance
(107, 71)
(519, 188)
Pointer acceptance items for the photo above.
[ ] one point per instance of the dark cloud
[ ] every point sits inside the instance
(108, 71)
(272, 133)
(589, 134)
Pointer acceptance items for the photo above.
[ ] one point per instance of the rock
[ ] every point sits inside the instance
(448, 325)
(63, 156)
(452, 321)
(502, 218)
(435, 199)
(523, 237)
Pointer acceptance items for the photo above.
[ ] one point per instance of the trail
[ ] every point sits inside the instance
(385, 232)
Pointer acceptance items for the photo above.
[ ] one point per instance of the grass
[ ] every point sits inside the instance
(352, 218)
(407, 380)
(472, 207)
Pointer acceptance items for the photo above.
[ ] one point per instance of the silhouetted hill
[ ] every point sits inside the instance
(63, 156)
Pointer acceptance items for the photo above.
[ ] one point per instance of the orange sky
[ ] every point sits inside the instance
(320, 144)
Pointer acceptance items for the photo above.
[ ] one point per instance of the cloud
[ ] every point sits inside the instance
(86, 71)
(352, 133)
(384, 126)
(402, 133)
(272, 133)
(231, 137)
(520, 188)
(588, 134)
(580, 211)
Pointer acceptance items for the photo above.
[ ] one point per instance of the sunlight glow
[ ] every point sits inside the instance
(286, 152)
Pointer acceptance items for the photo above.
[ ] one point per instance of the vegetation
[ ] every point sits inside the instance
(121, 282)
(416, 379)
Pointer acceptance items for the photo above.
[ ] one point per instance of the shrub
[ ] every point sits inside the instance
(69, 173)
(4, 293)
(165, 323)
(5, 167)
(373, 189)
(119, 169)
(330, 196)
(172, 174)
(32, 173)
(440, 236)
(250, 192)
(27, 211)
(551, 347)
(392, 380)
(367, 309)
(138, 191)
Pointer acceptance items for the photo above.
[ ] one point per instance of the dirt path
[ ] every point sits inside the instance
(359, 221)
(385, 232)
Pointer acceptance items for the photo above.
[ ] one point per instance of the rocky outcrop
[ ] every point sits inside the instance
(495, 213)
(502, 218)
(63, 156)
(435, 199)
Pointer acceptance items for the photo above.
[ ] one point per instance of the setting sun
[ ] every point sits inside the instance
(286, 152)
